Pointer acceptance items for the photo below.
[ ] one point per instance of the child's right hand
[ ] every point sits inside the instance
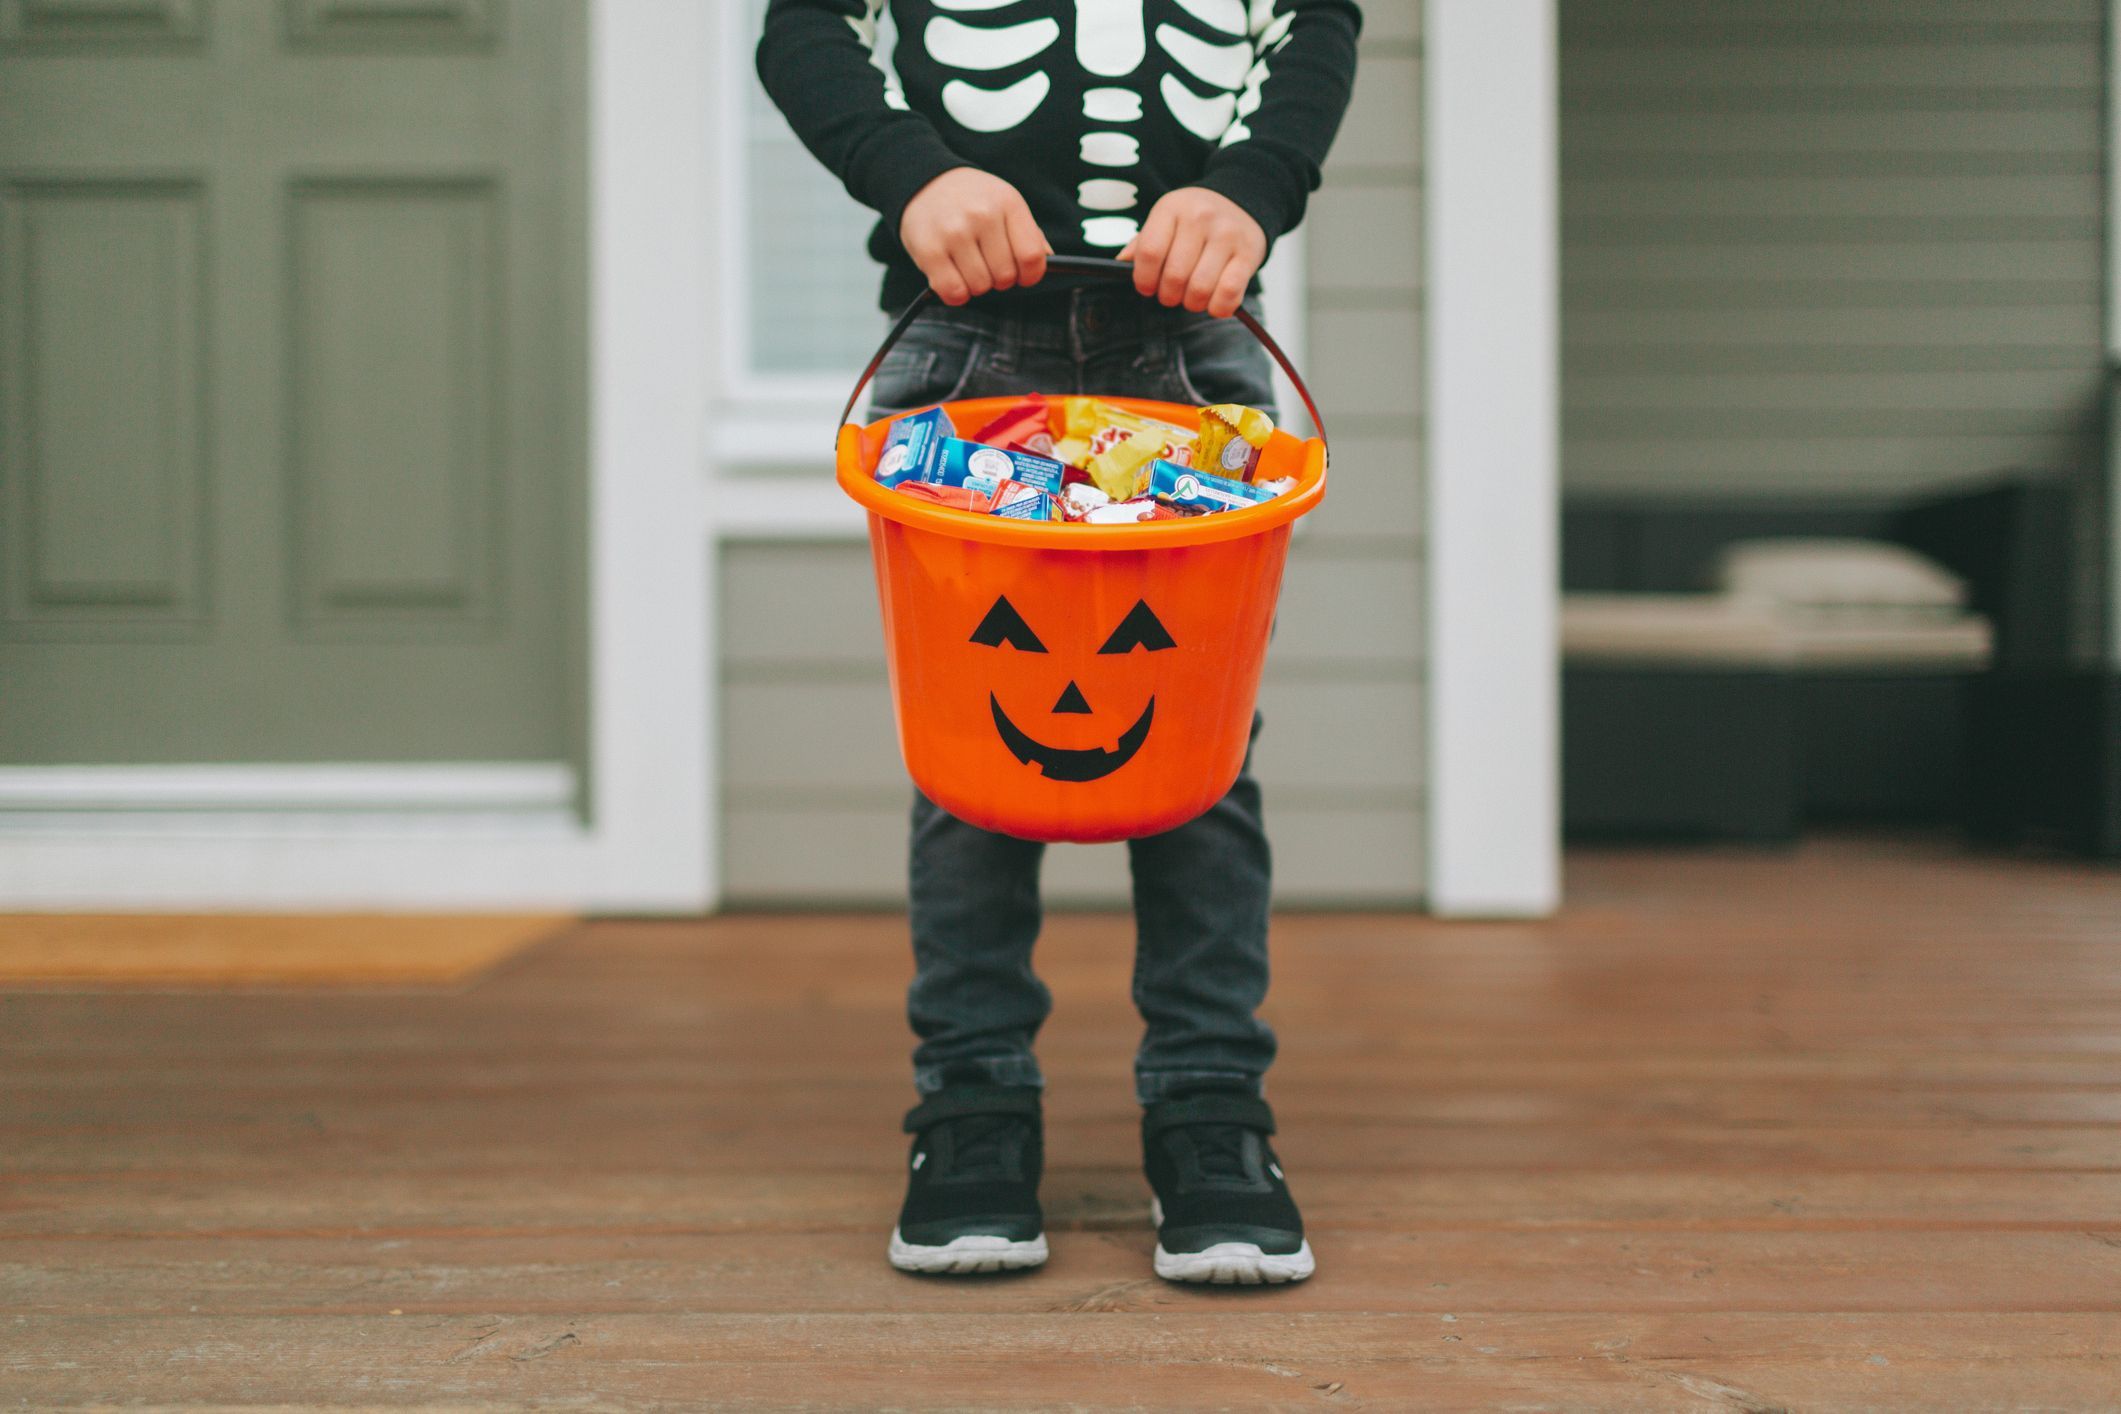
(971, 232)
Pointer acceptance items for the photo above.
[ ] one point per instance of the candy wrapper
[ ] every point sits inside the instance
(1011, 500)
(1121, 470)
(921, 448)
(1115, 446)
(1231, 440)
(962, 498)
(911, 446)
(970, 477)
(959, 461)
(1025, 426)
(1079, 498)
(1186, 489)
(1131, 512)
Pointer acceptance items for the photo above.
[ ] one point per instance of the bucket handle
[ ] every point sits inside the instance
(1086, 265)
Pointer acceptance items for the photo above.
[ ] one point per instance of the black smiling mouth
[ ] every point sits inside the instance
(1060, 765)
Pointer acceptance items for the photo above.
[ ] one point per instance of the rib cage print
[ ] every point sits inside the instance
(1204, 61)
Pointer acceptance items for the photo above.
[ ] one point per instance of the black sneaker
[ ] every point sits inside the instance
(1222, 1209)
(972, 1198)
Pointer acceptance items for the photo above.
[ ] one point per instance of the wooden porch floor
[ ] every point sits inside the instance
(1834, 1129)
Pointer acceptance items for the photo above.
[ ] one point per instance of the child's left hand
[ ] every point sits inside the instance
(1198, 248)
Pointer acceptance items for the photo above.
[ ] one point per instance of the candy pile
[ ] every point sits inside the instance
(1079, 459)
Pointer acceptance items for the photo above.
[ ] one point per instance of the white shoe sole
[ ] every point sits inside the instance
(965, 1255)
(1231, 1263)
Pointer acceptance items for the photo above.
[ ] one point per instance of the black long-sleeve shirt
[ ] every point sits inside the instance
(1091, 108)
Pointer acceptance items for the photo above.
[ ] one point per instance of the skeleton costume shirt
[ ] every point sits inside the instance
(1091, 108)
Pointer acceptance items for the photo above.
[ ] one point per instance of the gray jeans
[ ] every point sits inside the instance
(1200, 891)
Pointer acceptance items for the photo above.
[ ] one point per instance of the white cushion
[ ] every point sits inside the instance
(1823, 576)
(1892, 643)
(1730, 631)
(1675, 630)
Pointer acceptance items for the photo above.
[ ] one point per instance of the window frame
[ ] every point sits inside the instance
(743, 386)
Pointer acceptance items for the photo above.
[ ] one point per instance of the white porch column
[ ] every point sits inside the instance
(1493, 402)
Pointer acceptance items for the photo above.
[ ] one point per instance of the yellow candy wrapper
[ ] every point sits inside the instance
(1231, 440)
(1121, 470)
(1116, 447)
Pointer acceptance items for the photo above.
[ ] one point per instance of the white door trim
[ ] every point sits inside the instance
(1493, 399)
(29, 794)
(646, 844)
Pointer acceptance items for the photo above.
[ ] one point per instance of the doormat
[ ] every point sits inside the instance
(260, 950)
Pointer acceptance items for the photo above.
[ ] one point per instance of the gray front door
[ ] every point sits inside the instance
(291, 348)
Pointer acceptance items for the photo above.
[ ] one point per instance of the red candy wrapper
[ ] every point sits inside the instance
(1011, 500)
(963, 498)
(1021, 427)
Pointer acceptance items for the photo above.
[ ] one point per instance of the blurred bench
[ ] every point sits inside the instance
(1688, 712)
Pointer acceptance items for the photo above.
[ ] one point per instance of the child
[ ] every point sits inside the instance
(1183, 136)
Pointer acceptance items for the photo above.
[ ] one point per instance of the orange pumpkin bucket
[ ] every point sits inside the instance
(1076, 682)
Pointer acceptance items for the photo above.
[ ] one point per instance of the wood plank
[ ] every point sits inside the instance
(155, 1118)
(1222, 1357)
(713, 1145)
(54, 1218)
(666, 1269)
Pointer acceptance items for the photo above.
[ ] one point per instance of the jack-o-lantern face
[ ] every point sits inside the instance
(1004, 627)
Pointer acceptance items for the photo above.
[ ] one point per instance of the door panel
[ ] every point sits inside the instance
(103, 416)
(291, 380)
(58, 22)
(393, 313)
(357, 24)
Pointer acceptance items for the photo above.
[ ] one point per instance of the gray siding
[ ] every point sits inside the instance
(1837, 248)
(815, 797)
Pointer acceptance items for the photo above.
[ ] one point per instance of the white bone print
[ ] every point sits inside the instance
(1270, 35)
(1203, 117)
(994, 110)
(865, 30)
(1112, 105)
(1111, 43)
(1108, 37)
(1222, 65)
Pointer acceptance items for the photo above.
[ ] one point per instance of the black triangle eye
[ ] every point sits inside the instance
(1140, 629)
(1004, 625)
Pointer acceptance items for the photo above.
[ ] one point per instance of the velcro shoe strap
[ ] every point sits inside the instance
(1247, 1110)
(961, 1100)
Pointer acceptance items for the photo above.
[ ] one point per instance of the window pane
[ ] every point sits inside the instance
(813, 285)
